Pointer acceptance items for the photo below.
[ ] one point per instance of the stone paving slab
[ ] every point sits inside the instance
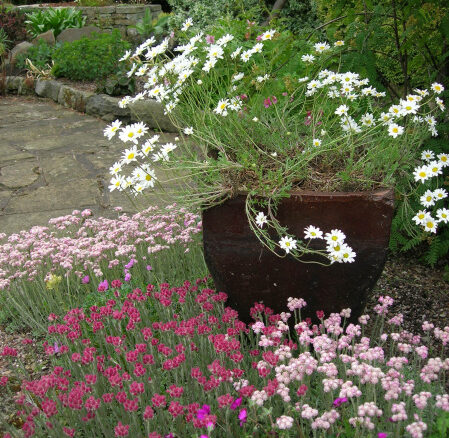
(54, 160)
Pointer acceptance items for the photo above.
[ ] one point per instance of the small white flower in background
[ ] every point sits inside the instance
(124, 102)
(238, 76)
(188, 131)
(312, 232)
(142, 70)
(335, 237)
(339, 43)
(257, 48)
(307, 58)
(261, 219)
(439, 194)
(341, 110)
(262, 78)
(209, 65)
(443, 159)
(225, 39)
(140, 128)
(346, 313)
(427, 155)
(236, 52)
(430, 120)
(435, 168)
(199, 82)
(396, 110)
(385, 117)
(268, 35)
(255, 119)
(368, 120)
(440, 103)
(316, 142)
(166, 149)
(147, 148)
(443, 215)
(125, 56)
(427, 199)
(304, 79)
(430, 224)
(130, 155)
(420, 217)
(422, 93)
(132, 71)
(421, 173)
(437, 88)
(115, 168)
(321, 47)
(111, 129)
(246, 55)
(188, 23)
(287, 243)
(215, 51)
(274, 154)
(394, 130)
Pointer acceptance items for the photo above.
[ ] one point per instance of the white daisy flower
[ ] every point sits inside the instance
(443, 159)
(339, 43)
(124, 102)
(420, 217)
(237, 77)
(111, 129)
(268, 35)
(341, 110)
(188, 23)
(188, 131)
(396, 110)
(130, 155)
(287, 243)
(117, 182)
(236, 52)
(430, 224)
(421, 173)
(261, 219)
(316, 142)
(221, 107)
(225, 39)
(435, 168)
(409, 107)
(129, 133)
(368, 120)
(115, 168)
(394, 130)
(312, 232)
(125, 56)
(440, 103)
(321, 47)
(334, 237)
(257, 48)
(437, 88)
(439, 194)
(427, 199)
(427, 155)
(443, 215)
(347, 254)
(307, 58)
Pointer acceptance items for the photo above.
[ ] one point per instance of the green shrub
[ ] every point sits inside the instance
(40, 55)
(89, 58)
(53, 19)
(12, 22)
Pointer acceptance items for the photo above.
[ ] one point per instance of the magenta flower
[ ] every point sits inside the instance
(236, 403)
(382, 435)
(127, 276)
(56, 347)
(104, 285)
(242, 417)
(149, 268)
(201, 414)
(210, 39)
(274, 99)
(85, 279)
(267, 103)
(339, 401)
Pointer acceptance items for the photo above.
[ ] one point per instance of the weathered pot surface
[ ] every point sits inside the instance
(247, 272)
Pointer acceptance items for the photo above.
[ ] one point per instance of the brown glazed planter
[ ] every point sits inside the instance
(247, 272)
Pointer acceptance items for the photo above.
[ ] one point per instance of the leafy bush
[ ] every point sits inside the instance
(157, 27)
(13, 24)
(53, 19)
(89, 58)
(40, 55)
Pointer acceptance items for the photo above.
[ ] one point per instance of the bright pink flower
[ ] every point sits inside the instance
(121, 429)
(236, 403)
(242, 417)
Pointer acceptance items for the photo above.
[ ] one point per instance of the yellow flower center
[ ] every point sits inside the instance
(287, 243)
(429, 198)
(114, 128)
(421, 216)
(148, 177)
(422, 174)
(337, 248)
(131, 134)
(395, 130)
(334, 238)
(429, 224)
(130, 156)
(434, 169)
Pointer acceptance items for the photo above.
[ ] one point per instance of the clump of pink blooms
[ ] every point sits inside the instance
(175, 362)
(90, 244)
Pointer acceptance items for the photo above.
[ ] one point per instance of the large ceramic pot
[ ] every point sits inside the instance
(247, 272)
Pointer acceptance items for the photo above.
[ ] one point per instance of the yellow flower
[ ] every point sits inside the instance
(53, 281)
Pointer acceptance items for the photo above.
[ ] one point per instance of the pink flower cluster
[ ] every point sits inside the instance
(89, 242)
(176, 355)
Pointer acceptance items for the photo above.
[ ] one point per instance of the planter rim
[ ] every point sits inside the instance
(384, 192)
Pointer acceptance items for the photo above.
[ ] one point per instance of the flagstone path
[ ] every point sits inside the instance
(53, 160)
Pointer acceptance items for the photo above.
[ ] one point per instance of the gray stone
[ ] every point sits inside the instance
(152, 113)
(103, 106)
(73, 98)
(20, 174)
(18, 49)
(9, 153)
(74, 34)
(13, 83)
(47, 88)
(129, 9)
(26, 88)
(48, 37)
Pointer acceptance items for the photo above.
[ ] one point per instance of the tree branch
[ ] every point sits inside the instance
(277, 7)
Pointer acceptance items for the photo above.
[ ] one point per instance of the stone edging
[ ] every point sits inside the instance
(99, 105)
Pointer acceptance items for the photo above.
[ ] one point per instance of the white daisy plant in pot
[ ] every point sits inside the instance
(263, 113)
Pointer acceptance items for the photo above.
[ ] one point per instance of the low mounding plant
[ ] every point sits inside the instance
(53, 19)
(174, 362)
(269, 113)
(50, 269)
(89, 58)
(13, 24)
(40, 55)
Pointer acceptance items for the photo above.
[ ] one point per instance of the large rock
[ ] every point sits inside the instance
(74, 34)
(48, 88)
(73, 98)
(106, 107)
(20, 48)
(48, 37)
(152, 113)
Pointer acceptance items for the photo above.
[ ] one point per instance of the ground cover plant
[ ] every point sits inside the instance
(174, 361)
(50, 269)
